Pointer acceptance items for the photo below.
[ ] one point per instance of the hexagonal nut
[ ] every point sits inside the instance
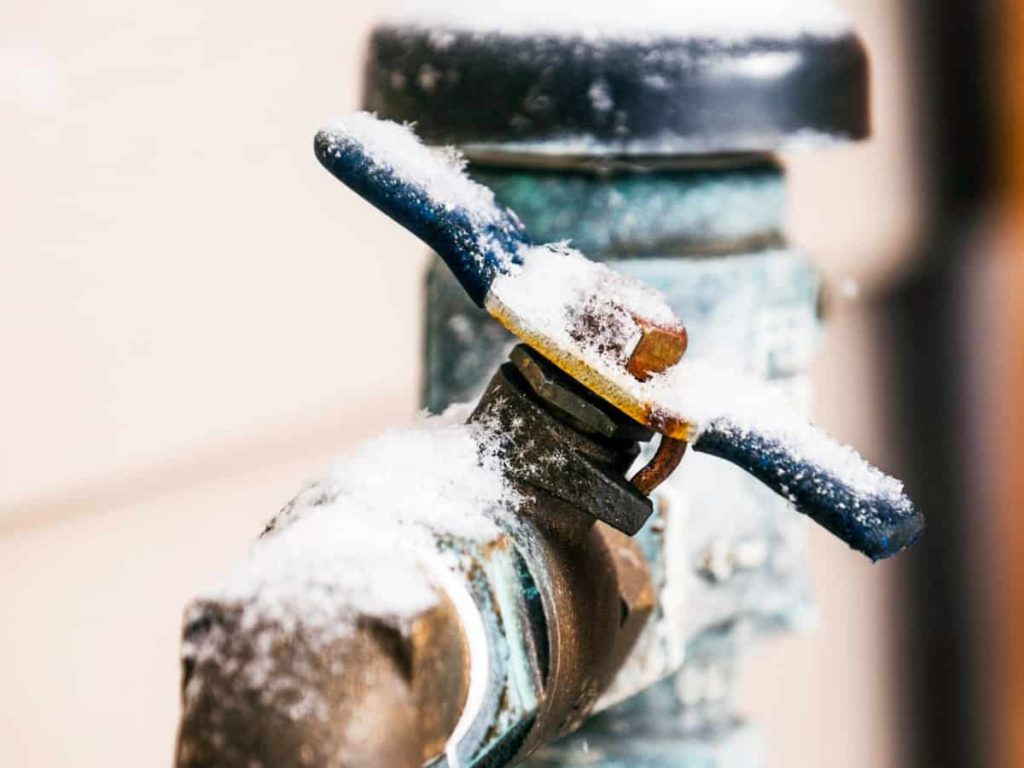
(565, 394)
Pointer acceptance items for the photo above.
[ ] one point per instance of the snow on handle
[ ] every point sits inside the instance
(875, 518)
(437, 173)
(426, 191)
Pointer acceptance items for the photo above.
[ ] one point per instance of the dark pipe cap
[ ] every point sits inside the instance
(575, 95)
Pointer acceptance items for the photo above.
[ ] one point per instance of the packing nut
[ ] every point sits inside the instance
(562, 393)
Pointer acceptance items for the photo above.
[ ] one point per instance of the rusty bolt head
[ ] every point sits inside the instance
(659, 348)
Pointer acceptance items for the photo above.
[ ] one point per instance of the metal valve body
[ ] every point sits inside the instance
(529, 632)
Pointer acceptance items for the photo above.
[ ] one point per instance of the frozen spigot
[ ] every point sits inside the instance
(408, 609)
(617, 338)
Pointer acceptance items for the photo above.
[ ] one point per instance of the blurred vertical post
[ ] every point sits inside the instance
(1010, 667)
(936, 352)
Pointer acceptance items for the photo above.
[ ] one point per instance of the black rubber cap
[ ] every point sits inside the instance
(566, 95)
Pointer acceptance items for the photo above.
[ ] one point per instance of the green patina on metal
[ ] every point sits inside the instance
(653, 212)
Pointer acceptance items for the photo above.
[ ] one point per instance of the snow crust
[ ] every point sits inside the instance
(379, 537)
(580, 303)
(356, 541)
(610, 19)
(438, 173)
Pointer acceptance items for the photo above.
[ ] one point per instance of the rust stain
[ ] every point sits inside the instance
(660, 347)
(664, 462)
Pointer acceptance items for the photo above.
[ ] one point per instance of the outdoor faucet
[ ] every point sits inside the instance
(450, 635)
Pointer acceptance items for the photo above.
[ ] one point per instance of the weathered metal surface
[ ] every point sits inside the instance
(617, 208)
(654, 731)
(571, 400)
(530, 629)
(582, 470)
(664, 462)
(562, 621)
(644, 222)
(662, 93)
(284, 694)
(509, 655)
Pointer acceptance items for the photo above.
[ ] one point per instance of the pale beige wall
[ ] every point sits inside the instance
(194, 317)
(178, 271)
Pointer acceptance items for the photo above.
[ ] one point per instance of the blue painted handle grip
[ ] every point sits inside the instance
(880, 523)
(477, 245)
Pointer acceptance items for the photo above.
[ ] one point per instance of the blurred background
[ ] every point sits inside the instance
(194, 320)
